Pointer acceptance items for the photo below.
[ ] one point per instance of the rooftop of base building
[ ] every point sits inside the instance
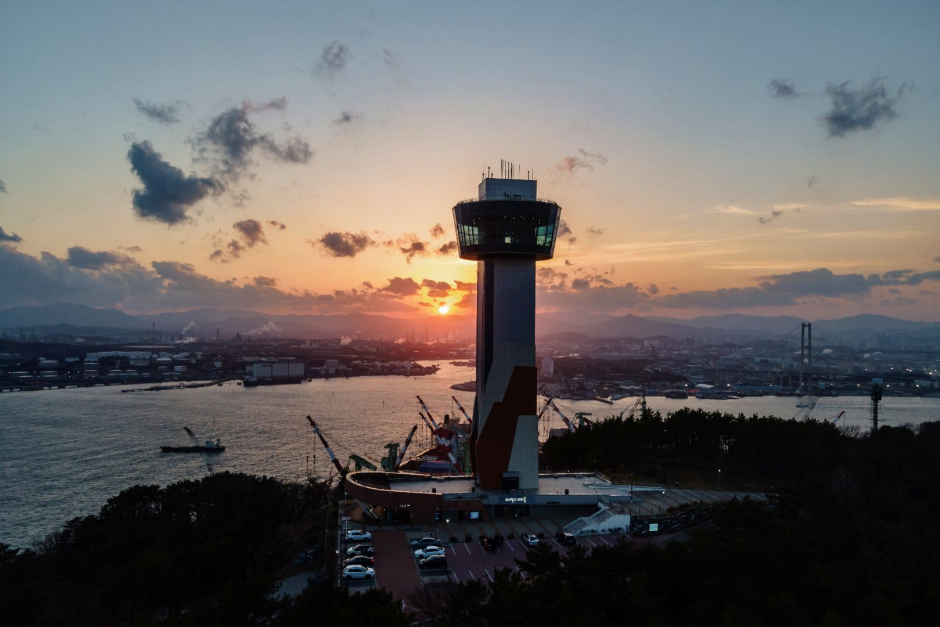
(553, 489)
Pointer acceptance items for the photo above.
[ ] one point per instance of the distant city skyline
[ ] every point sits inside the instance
(760, 158)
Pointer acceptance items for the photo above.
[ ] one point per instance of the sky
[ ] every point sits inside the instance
(294, 157)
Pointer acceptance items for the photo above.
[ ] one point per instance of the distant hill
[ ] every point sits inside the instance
(84, 319)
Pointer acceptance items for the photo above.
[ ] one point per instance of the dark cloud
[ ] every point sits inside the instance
(392, 61)
(437, 230)
(862, 108)
(565, 231)
(579, 285)
(81, 257)
(3, 187)
(401, 287)
(568, 263)
(132, 249)
(776, 213)
(348, 118)
(550, 277)
(812, 181)
(338, 244)
(818, 282)
(332, 61)
(593, 156)
(9, 237)
(572, 165)
(446, 249)
(230, 141)
(893, 275)
(783, 88)
(166, 286)
(251, 232)
(437, 289)
(231, 251)
(594, 232)
(278, 225)
(167, 193)
(39, 128)
(166, 113)
(652, 289)
(411, 246)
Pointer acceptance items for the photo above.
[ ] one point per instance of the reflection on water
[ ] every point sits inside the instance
(64, 452)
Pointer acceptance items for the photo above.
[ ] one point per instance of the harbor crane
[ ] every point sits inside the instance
(401, 454)
(444, 444)
(329, 451)
(463, 411)
(564, 418)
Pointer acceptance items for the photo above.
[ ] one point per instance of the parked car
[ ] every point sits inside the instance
(428, 551)
(488, 544)
(434, 561)
(567, 539)
(420, 543)
(530, 539)
(361, 560)
(357, 571)
(358, 535)
(360, 549)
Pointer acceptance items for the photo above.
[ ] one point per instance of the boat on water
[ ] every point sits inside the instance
(680, 394)
(209, 446)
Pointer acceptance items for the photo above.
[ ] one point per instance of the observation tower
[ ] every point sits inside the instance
(506, 229)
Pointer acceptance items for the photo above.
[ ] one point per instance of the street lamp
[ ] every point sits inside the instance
(719, 478)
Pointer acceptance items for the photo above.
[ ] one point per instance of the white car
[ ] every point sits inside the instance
(530, 539)
(428, 551)
(356, 571)
(358, 535)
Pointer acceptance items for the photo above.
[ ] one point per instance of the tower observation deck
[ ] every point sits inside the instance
(506, 229)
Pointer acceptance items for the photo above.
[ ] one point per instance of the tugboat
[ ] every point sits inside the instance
(209, 446)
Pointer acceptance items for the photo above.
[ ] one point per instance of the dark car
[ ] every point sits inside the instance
(489, 544)
(567, 539)
(361, 560)
(434, 561)
(424, 542)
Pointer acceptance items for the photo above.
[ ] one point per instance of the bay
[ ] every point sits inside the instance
(63, 453)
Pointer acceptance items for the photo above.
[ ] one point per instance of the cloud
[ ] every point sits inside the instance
(860, 109)
(549, 277)
(733, 211)
(332, 61)
(348, 118)
(278, 225)
(251, 232)
(264, 281)
(812, 181)
(231, 139)
(565, 231)
(170, 285)
(401, 287)
(593, 156)
(167, 193)
(446, 249)
(392, 61)
(132, 249)
(652, 289)
(166, 113)
(337, 244)
(3, 187)
(776, 213)
(594, 232)
(437, 230)
(783, 88)
(437, 289)
(410, 246)
(570, 165)
(899, 204)
(9, 237)
(81, 257)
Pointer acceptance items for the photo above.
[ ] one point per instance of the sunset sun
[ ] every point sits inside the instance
(443, 309)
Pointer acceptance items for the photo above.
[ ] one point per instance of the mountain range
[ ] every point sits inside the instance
(79, 319)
